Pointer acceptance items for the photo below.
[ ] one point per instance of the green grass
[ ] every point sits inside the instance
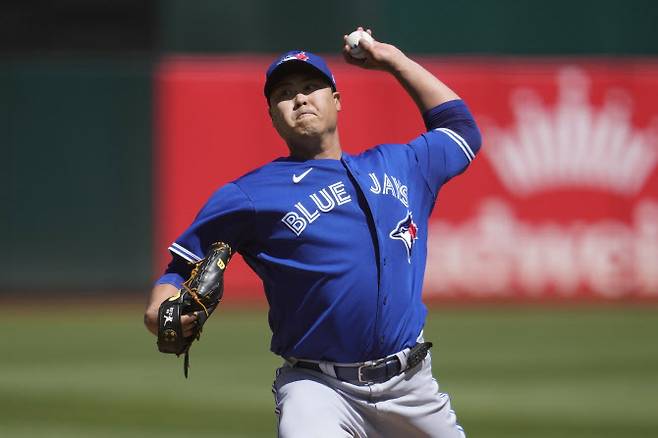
(511, 372)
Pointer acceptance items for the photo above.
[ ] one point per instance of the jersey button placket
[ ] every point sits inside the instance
(378, 337)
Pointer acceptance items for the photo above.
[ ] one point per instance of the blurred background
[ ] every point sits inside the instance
(119, 118)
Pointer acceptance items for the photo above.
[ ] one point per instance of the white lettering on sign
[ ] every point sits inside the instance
(610, 259)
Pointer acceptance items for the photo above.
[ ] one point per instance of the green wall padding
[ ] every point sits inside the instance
(76, 147)
(555, 27)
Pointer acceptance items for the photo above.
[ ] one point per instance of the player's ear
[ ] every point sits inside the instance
(337, 100)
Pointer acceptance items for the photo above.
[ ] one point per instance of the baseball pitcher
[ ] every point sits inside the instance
(340, 243)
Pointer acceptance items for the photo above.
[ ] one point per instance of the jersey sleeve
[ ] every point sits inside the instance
(450, 144)
(225, 217)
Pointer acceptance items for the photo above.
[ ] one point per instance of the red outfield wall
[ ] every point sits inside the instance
(562, 202)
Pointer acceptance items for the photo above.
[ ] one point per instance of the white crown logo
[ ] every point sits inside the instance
(572, 144)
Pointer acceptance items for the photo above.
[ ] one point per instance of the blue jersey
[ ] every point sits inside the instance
(340, 245)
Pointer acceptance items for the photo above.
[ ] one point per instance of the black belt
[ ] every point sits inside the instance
(372, 372)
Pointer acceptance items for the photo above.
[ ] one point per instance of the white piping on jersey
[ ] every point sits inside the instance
(460, 141)
(183, 252)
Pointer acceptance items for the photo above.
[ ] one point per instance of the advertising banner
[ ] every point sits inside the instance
(561, 203)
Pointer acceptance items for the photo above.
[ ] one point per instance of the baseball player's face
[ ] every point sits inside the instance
(304, 105)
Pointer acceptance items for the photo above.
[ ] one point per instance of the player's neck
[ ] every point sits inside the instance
(325, 147)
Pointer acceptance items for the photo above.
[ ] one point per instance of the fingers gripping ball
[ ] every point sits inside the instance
(353, 40)
(199, 295)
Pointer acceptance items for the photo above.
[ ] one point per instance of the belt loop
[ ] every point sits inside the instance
(328, 369)
(402, 357)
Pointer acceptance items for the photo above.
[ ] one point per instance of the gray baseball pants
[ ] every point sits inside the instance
(313, 404)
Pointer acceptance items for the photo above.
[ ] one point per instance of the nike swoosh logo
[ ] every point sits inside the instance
(297, 179)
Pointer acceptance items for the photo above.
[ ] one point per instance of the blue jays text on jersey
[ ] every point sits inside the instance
(340, 245)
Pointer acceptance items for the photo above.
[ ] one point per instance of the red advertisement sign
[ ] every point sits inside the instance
(562, 202)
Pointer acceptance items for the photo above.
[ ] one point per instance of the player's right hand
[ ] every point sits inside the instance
(379, 56)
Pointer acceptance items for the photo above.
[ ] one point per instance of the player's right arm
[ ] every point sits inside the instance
(452, 138)
(425, 89)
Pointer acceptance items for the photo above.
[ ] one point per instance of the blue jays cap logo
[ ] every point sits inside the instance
(302, 56)
(298, 56)
(406, 231)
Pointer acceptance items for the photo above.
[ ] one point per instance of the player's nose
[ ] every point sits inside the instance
(300, 99)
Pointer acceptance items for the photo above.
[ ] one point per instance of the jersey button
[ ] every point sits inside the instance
(385, 300)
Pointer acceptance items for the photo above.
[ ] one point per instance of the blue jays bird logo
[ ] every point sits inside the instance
(301, 56)
(407, 232)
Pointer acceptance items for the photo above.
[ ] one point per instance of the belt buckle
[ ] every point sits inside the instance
(359, 373)
(369, 364)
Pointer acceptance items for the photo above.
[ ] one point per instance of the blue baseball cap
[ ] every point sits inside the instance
(294, 61)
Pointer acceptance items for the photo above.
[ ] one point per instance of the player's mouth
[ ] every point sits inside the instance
(305, 114)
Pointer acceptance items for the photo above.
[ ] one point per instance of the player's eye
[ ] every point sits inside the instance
(311, 87)
(284, 93)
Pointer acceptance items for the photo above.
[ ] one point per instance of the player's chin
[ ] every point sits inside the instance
(307, 128)
(306, 120)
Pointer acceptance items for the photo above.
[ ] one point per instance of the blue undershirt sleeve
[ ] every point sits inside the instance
(450, 144)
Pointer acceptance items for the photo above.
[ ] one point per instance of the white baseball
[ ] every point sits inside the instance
(353, 41)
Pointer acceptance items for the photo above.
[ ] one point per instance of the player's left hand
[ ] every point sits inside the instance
(379, 56)
(189, 324)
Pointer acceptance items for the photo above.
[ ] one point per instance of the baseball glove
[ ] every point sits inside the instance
(200, 295)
